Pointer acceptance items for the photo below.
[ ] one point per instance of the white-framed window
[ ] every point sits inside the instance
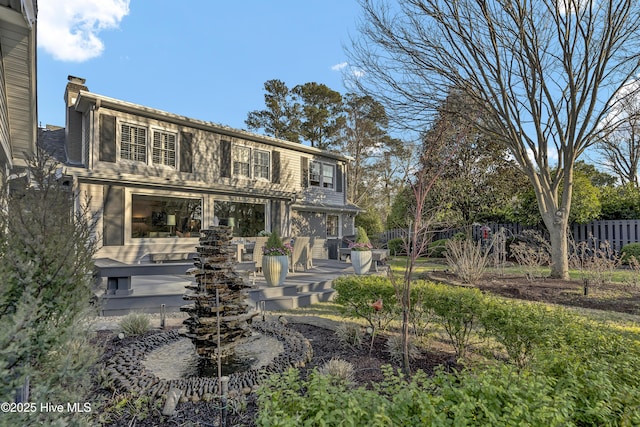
(241, 159)
(133, 143)
(322, 174)
(328, 174)
(261, 164)
(164, 148)
(250, 162)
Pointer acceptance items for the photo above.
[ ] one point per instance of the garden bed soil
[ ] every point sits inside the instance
(616, 297)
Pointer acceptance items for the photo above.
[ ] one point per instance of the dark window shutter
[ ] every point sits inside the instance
(275, 167)
(113, 217)
(107, 138)
(186, 152)
(304, 172)
(339, 178)
(225, 159)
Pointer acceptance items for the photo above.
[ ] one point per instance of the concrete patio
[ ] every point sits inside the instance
(301, 288)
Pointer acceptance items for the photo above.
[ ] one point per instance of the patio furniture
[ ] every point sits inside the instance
(301, 254)
(260, 242)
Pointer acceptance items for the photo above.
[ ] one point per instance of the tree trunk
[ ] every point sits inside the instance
(559, 247)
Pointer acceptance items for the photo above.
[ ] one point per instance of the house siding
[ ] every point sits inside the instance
(16, 56)
(5, 138)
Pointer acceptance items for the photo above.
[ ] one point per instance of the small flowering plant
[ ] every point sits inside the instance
(275, 247)
(362, 242)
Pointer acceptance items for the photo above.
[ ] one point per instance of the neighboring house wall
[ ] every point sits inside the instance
(18, 116)
(5, 136)
(154, 178)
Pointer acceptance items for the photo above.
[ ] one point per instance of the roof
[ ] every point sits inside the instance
(52, 140)
(87, 100)
(325, 207)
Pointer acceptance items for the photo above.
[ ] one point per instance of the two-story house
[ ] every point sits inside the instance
(154, 178)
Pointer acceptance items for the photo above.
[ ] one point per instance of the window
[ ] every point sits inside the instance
(133, 143)
(327, 176)
(161, 216)
(250, 163)
(321, 175)
(241, 158)
(164, 148)
(261, 163)
(315, 174)
(247, 219)
(332, 225)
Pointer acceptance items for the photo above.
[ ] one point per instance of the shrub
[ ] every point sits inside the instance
(532, 251)
(437, 248)
(362, 242)
(457, 309)
(357, 293)
(496, 397)
(596, 261)
(467, 259)
(629, 250)
(339, 371)
(397, 246)
(275, 246)
(135, 324)
(519, 327)
(393, 346)
(350, 334)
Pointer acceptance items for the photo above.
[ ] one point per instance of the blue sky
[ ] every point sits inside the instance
(205, 59)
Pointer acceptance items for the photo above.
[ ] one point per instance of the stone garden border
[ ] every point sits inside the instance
(127, 373)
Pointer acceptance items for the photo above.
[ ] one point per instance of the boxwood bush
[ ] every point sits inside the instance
(629, 250)
(437, 248)
(397, 246)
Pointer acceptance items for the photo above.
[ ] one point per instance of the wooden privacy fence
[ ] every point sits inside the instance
(617, 232)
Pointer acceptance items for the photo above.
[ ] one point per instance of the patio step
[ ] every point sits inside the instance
(289, 297)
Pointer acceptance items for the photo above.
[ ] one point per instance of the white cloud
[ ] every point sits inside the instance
(339, 66)
(345, 68)
(69, 29)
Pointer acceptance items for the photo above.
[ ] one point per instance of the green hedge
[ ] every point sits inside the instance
(562, 370)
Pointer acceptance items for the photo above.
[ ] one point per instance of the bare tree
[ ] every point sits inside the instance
(545, 72)
(620, 147)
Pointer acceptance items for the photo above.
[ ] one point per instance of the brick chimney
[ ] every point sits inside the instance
(73, 122)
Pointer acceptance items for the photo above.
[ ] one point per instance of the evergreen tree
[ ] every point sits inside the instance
(322, 118)
(281, 118)
(46, 265)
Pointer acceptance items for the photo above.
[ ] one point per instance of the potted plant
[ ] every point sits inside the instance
(275, 260)
(361, 255)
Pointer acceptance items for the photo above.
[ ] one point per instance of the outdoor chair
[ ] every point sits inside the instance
(261, 241)
(301, 254)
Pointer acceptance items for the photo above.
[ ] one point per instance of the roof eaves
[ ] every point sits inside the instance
(86, 100)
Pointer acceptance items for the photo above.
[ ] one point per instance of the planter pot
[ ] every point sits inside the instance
(275, 269)
(361, 261)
